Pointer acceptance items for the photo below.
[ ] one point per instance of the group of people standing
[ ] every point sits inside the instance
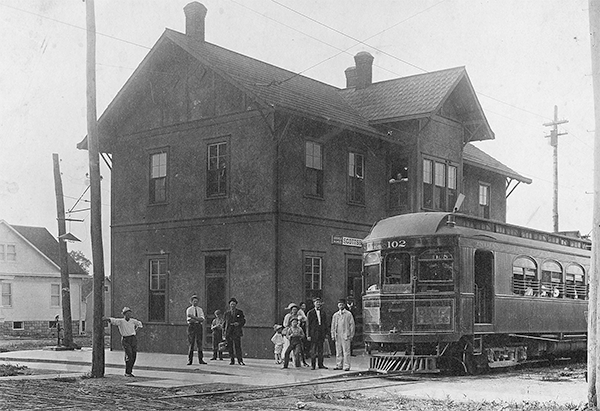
(302, 333)
(226, 327)
(305, 334)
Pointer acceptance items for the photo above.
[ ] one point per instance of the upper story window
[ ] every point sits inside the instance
(158, 177)
(440, 185)
(314, 169)
(398, 184)
(216, 176)
(525, 277)
(356, 177)
(54, 295)
(6, 294)
(158, 289)
(575, 282)
(8, 252)
(484, 200)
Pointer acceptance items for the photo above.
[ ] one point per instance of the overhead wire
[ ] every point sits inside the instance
(308, 17)
(358, 41)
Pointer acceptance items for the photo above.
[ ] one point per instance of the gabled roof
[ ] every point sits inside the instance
(419, 96)
(475, 157)
(277, 87)
(271, 86)
(41, 240)
(411, 96)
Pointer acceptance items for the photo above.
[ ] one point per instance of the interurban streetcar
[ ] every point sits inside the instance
(450, 291)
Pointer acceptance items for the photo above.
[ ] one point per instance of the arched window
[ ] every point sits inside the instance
(525, 280)
(552, 280)
(575, 282)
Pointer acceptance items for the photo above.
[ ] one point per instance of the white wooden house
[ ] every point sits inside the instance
(31, 283)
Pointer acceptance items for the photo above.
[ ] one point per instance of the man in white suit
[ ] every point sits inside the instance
(342, 332)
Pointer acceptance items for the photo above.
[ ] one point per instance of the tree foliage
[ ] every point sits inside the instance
(81, 259)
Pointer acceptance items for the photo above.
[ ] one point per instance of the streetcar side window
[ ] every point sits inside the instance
(552, 282)
(575, 282)
(525, 277)
(397, 269)
(435, 266)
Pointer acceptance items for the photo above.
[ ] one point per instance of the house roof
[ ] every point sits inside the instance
(360, 110)
(417, 95)
(475, 157)
(46, 244)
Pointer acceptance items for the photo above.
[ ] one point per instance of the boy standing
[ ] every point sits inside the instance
(217, 334)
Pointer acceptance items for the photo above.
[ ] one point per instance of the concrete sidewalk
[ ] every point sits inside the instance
(170, 370)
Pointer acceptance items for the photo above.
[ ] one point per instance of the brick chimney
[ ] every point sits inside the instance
(195, 14)
(364, 69)
(350, 77)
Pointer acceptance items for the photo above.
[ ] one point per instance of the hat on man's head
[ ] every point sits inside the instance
(194, 296)
(233, 300)
(342, 300)
(291, 305)
(316, 299)
(278, 327)
(125, 309)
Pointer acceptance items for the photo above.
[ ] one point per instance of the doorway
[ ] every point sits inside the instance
(354, 290)
(484, 286)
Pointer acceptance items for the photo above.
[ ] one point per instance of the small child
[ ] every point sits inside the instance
(277, 340)
(217, 334)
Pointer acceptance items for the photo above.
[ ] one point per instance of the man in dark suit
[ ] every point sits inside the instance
(234, 321)
(317, 328)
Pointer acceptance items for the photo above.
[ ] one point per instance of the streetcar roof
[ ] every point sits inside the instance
(446, 223)
(406, 225)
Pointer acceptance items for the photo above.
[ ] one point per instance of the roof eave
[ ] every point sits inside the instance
(513, 175)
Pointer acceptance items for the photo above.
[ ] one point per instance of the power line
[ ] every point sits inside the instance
(285, 25)
(75, 26)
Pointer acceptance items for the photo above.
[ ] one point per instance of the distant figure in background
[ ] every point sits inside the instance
(342, 332)
(234, 322)
(217, 334)
(127, 327)
(352, 308)
(195, 318)
(278, 339)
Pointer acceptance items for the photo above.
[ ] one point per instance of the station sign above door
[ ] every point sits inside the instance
(347, 241)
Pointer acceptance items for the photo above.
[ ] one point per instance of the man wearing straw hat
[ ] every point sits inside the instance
(127, 327)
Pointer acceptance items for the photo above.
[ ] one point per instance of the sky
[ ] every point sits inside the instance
(522, 57)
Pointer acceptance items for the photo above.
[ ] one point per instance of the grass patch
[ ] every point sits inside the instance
(9, 370)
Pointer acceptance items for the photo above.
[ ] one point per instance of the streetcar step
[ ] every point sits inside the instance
(387, 364)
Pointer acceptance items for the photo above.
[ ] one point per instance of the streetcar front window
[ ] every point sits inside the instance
(397, 269)
(435, 266)
(372, 277)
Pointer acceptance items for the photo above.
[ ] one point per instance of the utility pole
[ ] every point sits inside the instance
(554, 143)
(593, 362)
(63, 257)
(95, 196)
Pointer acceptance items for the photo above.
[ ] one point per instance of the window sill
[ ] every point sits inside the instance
(314, 197)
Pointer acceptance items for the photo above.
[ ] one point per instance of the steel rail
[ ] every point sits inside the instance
(284, 386)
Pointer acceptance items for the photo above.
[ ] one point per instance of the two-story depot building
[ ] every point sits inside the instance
(235, 178)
